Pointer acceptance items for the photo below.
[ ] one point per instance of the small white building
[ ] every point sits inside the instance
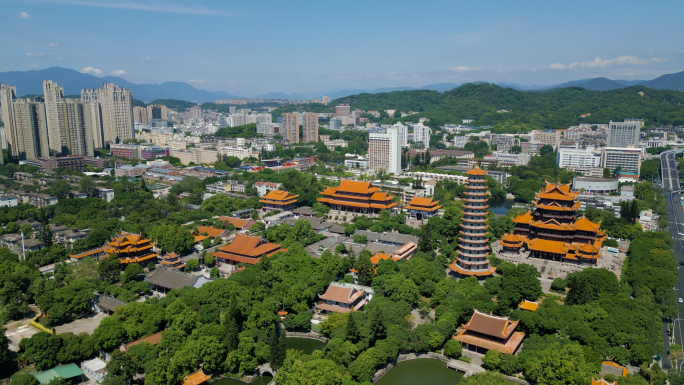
(95, 369)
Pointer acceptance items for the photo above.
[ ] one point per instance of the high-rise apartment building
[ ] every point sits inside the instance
(78, 135)
(196, 113)
(310, 127)
(8, 95)
(291, 127)
(159, 112)
(31, 140)
(54, 113)
(326, 100)
(384, 151)
(421, 134)
(624, 134)
(140, 115)
(342, 110)
(93, 114)
(116, 111)
(403, 133)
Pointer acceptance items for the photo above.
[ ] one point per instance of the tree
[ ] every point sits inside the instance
(485, 378)
(278, 359)
(340, 249)
(214, 272)
(24, 379)
(364, 268)
(87, 186)
(452, 348)
(352, 329)
(61, 188)
(131, 273)
(546, 149)
(109, 268)
(589, 284)
(6, 362)
(46, 235)
(516, 150)
(559, 284)
(192, 264)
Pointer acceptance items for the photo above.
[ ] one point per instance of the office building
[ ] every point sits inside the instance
(269, 129)
(628, 160)
(421, 134)
(342, 110)
(116, 112)
(310, 127)
(506, 159)
(624, 134)
(291, 127)
(588, 157)
(384, 151)
(503, 142)
(335, 124)
(54, 114)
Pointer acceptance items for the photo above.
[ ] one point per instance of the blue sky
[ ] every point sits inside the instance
(258, 46)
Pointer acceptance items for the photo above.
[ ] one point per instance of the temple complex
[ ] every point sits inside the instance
(473, 245)
(422, 208)
(340, 298)
(357, 198)
(279, 200)
(487, 332)
(131, 248)
(247, 249)
(553, 231)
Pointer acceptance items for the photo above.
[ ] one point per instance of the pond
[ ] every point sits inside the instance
(500, 207)
(259, 381)
(306, 345)
(421, 371)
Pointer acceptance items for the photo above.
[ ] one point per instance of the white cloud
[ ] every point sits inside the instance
(144, 58)
(51, 44)
(34, 54)
(118, 72)
(620, 61)
(464, 69)
(196, 81)
(92, 71)
(81, 56)
(157, 6)
(24, 15)
(59, 57)
(34, 66)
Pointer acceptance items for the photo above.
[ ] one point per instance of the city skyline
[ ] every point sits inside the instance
(246, 49)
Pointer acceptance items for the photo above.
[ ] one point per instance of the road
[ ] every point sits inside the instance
(670, 182)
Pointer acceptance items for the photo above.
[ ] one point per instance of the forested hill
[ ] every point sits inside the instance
(526, 110)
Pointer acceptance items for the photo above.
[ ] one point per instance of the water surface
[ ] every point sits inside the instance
(422, 371)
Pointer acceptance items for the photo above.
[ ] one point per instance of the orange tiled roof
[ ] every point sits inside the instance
(625, 372)
(600, 381)
(480, 273)
(279, 195)
(379, 256)
(509, 348)
(555, 206)
(210, 230)
(87, 253)
(512, 240)
(528, 305)
(359, 187)
(523, 218)
(341, 294)
(249, 246)
(585, 224)
(483, 323)
(238, 223)
(476, 171)
(544, 245)
(153, 339)
(423, 204)
(196, 378)
(200, 238)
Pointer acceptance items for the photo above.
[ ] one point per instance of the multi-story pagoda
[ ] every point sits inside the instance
(131, 248)
(279, 200)
(553, 231)
(473, 245)
(357, 198)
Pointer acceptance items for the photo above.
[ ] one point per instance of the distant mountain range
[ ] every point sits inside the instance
(30, 83)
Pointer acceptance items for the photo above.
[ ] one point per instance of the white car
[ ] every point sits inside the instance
(681, 300)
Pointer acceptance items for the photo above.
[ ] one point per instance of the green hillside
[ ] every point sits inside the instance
(526, 110)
